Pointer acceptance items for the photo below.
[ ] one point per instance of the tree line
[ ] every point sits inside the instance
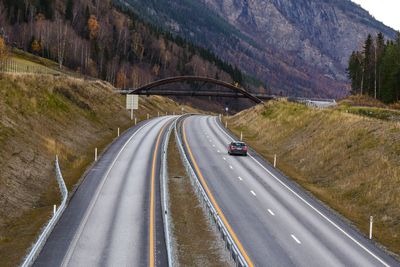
(99, 39)
(375, 70)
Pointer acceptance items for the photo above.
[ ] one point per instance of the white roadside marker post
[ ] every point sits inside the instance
(241, 136)
(220, 117)
(95, 154)
(54, 209)
(371, 222)
(166, 113)
(275, 161)
(135, 120)
(226, 124)
(131, 114)
(173, 113)
(158, 113)
(148, 116)
(118, 132)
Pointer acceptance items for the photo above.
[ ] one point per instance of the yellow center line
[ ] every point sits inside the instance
(216, 206)
(152, 201)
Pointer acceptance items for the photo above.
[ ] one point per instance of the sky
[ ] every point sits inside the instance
(386, 11)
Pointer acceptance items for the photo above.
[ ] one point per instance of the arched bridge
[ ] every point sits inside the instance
(227, 89)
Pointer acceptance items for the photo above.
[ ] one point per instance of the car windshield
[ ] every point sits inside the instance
(238, 144)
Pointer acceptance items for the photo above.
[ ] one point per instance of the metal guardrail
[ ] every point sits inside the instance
(201, 193)
(164, 194)
(37, 247)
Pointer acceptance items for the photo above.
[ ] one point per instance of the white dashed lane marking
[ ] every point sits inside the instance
(240, 178)
(254, 194)
(271, 212)
(230, 166)
(295, 239)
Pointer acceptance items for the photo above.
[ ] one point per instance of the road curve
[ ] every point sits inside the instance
(275, 221)
(115, 217)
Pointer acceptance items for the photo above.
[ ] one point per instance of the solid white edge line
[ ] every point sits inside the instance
(295, 239)
(71, 247)
(311, 206)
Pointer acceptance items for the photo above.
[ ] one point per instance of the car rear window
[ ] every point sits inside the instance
(238, 144)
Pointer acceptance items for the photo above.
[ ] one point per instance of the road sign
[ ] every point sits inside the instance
(132, 102)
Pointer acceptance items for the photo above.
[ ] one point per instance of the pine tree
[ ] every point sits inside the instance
(69, 10)
(367, 81)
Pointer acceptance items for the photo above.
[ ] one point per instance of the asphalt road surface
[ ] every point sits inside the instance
(114, 218)
(275, 222)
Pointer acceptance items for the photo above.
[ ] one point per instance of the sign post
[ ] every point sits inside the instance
(132, 103)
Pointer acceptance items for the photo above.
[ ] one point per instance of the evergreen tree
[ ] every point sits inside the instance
(367, 81)
(69, 9)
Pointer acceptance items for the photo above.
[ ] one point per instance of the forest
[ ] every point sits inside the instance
(99, 39)
(375, 70)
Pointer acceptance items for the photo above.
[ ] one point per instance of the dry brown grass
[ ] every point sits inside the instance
(362, 101)
(195, 242)
(350, 162)
(41, 116)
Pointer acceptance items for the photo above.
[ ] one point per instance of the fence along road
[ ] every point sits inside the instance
(275, 221)
(108, 221)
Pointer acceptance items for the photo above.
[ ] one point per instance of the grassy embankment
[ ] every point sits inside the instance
(44, 115)
(351, 162)
(195, 242)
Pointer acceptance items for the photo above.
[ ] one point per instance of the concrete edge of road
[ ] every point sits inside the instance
(331, 215)
(231, 246)
(165, 194)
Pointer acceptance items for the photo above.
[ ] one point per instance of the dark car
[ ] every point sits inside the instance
(237, 148)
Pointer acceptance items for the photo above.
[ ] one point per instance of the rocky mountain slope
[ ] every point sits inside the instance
(300, 47)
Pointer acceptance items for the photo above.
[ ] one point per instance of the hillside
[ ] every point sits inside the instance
(300, 47)
(102, 40)
(41, 116)
(346, 157)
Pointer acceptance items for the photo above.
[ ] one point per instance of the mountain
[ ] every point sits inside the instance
(300, 47)
(110, 42)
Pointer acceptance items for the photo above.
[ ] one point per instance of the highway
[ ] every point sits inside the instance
(274, 222)
(115, 216)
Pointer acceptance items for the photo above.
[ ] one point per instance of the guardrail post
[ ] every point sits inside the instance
(275, 161)
(371, 222)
